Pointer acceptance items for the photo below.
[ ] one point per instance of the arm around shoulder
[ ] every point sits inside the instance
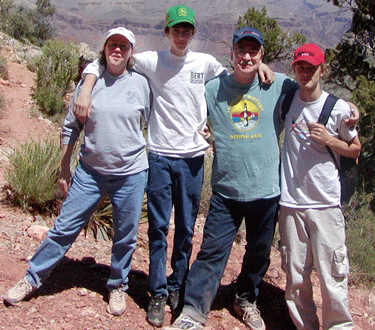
(82, 104)
(266, 75)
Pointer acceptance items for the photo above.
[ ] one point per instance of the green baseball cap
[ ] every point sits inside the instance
(179, 14)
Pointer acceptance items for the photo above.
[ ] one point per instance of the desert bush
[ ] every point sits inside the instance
(3, 68)
(32, 172)
(26, 24)
(32, 64)
(2, 105)
(32, 176)
(56, 68)
(360, 225)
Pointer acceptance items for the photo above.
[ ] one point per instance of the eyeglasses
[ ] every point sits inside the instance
(114, 46)
(242, 52)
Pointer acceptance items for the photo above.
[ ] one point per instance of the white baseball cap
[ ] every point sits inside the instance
(123, 32)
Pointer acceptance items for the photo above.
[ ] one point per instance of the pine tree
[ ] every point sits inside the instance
(277, 43)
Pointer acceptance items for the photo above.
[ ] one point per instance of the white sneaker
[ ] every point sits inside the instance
(117, 303)
(185, 322)
(21, 291)
(249, 313)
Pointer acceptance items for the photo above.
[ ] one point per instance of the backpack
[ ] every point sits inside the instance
(347, 167)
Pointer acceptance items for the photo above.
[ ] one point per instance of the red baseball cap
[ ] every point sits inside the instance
(310, 53)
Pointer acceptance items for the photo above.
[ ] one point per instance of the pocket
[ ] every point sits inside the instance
(340, 264)
(284, 256)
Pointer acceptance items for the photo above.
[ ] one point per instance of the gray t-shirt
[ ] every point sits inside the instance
(113, 141)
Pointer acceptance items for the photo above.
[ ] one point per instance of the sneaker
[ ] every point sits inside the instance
(249, 313)
(117, 304)
(155, 310)
(174, 301)
(21, 291)
(185, 322)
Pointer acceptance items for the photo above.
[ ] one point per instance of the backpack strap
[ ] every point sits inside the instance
(327, 109)
(323, 119)
(286, 102)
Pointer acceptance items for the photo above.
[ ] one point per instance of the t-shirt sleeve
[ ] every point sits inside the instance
(214, 68)
(342, 112)
(94, 68)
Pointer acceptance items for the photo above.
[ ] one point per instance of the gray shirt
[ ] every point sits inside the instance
(113, 141)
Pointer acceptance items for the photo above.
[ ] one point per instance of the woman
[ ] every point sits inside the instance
(113, 160)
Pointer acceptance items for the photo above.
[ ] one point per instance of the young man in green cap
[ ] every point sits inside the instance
(176, 146)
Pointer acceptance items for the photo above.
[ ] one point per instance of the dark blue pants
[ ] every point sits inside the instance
(172, 182)
(223, 221)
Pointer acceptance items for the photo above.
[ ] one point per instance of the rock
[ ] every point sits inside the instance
(37, 232)
(82, 292)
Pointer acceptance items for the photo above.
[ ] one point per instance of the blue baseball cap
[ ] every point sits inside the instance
(247, 32)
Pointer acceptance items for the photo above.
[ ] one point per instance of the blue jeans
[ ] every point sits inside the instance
(88, 187)
(223, 221)
(172, 182)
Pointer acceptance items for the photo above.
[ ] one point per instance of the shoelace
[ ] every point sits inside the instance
(117, 297)
(23, 286)
(251, 313)
(185, 322)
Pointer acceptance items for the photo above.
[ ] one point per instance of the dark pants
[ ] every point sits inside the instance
(172, 182)
(223, 221)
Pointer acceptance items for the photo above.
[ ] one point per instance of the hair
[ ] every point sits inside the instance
(183, 24)
(103, 60)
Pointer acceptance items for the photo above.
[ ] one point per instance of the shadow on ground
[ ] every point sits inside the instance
(271, 303)
(86, 273)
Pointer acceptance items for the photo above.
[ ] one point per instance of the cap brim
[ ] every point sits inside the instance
(172, 23)
(308, 60)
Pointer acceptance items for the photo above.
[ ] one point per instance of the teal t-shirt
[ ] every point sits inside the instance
(245, 127)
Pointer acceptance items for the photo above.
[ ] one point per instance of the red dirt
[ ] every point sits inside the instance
(74, 296)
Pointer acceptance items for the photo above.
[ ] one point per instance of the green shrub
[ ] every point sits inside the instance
(360, 231)
(27, 24)
(32, 172)
(55, 71)
(3, 69)
(32, 64)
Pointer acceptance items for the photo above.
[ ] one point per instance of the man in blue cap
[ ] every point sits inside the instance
(245, 184)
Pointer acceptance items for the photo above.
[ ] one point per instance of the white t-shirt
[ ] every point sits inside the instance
(179, 108)
(309, 176)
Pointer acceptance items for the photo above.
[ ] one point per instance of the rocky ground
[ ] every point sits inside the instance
(74, 296)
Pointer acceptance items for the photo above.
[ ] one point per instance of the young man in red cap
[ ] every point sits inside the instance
(312, 227)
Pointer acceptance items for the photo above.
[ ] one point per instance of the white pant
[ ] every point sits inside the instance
(315, 238)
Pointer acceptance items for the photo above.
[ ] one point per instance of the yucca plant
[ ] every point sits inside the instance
(101, 222)
(32, 172)
(32, 175)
